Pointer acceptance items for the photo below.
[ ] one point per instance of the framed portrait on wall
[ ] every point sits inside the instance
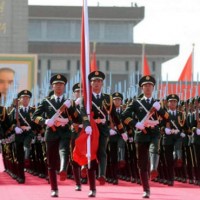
(18, 70)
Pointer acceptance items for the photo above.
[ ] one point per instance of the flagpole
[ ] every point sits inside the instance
(143, 52)
(192, 61)
(85, 63)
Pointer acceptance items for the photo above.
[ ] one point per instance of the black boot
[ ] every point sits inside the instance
(63, 167)
(154, 160)
(145, 184)
(92, 182)
(53, 182)
(77, 176)
(115, 170)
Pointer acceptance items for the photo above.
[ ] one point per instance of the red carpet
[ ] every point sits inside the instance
(38, 189)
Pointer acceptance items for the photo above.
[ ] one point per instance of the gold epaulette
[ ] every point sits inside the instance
(127, 120)
(37, 120)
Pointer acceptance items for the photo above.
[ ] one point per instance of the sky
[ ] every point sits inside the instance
(166, 22)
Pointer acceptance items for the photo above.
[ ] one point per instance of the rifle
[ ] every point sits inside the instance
(146, 118)
(57, 114)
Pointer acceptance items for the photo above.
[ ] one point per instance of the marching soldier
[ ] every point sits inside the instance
(147, 133)
(196, 139)
(116, 142)
(57, 134)
(5, 133)
(24, 127)
(172, 138)
(102, 108)
(76, 128)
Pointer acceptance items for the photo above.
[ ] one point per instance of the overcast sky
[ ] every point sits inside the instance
(165, 22)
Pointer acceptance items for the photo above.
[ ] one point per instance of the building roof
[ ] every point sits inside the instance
(102, 49)
(135, 14)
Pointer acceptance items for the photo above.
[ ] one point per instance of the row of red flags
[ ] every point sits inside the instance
(186, 74)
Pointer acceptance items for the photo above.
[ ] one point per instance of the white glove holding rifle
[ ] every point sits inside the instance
(67, 103)
(140, 126)
(112, 132)
(18, 130)
(156, 105)
(168, 131)
(49, 122)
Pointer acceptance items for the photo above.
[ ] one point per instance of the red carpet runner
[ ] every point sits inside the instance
(36, 188)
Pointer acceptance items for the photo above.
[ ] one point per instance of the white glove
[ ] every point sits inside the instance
(112, 132)
(78, 101)
(88, 130)
(130, 139)
(124, 136)
(139, 126)
(156, 105)
(18, 130)
(198, 131)
(168, 131)
(182, 135)
(67, 103)
(49, 122)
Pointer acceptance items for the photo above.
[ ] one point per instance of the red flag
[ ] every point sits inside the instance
(84, 145)
(186, 74)
(93, 65)
(80, 150)
(146, 69)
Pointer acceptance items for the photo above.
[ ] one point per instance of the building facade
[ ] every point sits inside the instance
(54, 33)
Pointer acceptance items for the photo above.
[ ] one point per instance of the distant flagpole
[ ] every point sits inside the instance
(193, 61)
(143, 52)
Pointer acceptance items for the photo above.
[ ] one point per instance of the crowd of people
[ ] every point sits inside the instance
(138, 140)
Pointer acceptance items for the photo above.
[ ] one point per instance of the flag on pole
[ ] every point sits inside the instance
(146, 69)
(186, 74)
(86, 145)
(93, 64)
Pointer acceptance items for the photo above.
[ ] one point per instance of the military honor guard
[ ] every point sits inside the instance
(24, 129)
(102, 110)
(57, 133)
(147, 132)
(173, 136)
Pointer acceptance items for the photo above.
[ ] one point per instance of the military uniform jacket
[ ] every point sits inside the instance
(135, 109)
(105, 104)
(5, 124)
(80, 119)
(195, 138)
(179, 121)
(27, 116)
(115, 138)
(46, 111)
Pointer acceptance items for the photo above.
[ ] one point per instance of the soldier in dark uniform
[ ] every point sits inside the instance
(147, 134)
(24, 128)
(76, 128)
(102, 107)
(116, 142)
(172, 139)
(57, 134)
(196, 139)
(5, 131)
